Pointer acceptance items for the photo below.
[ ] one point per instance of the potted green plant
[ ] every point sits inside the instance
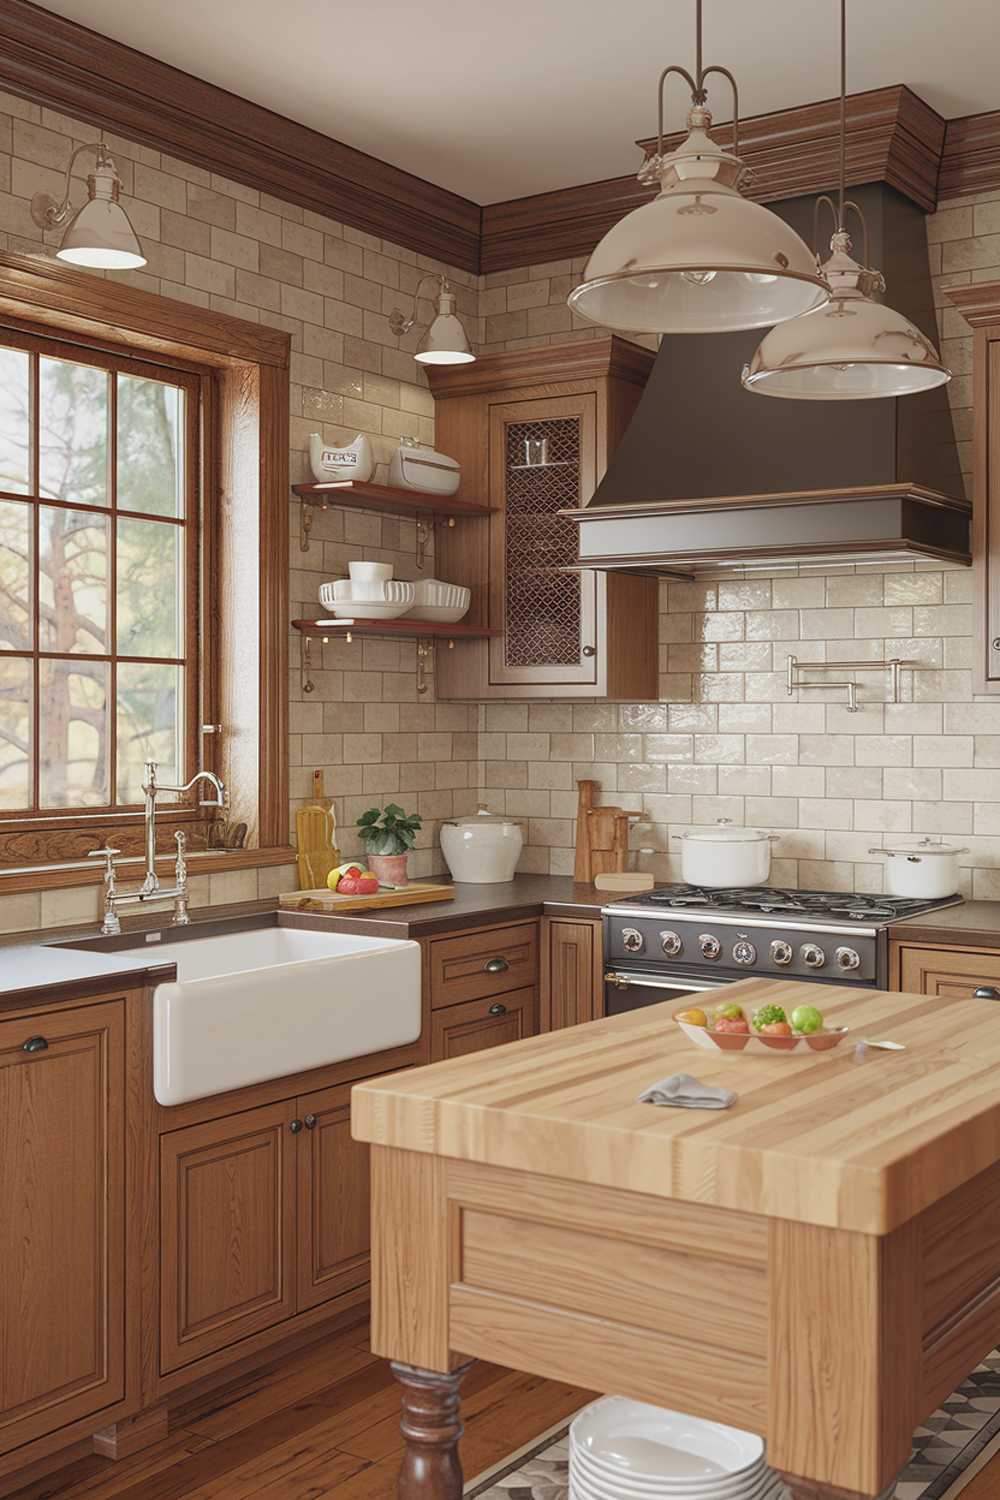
(388, 837)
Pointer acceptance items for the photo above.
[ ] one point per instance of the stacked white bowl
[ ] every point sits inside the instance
(625, 1450)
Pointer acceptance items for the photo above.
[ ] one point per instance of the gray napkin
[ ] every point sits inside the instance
(685, 1092)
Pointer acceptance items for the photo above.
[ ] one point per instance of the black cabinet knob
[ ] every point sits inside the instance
(495, 966)
(35, 1044)
(986, 992)
(310, 1122)
(295, 1127)
(498, 1009)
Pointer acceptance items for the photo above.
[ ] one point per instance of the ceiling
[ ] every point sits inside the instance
(497, 101)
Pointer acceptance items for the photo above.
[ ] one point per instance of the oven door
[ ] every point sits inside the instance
(631, 989)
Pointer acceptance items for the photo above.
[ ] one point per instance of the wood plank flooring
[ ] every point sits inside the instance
(323, 1421)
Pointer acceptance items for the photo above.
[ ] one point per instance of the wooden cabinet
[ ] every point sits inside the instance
(458, 1030)
(227, 1209)
(952, 973)
(980, 305)
(533, 431)
(572, 975)
(334, 1232)
(62, 1218)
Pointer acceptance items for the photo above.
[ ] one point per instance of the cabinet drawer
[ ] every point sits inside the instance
(951, 973)
(461, 1029)
(478, 964)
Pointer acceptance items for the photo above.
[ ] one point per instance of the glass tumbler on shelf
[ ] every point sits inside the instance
(536, 452)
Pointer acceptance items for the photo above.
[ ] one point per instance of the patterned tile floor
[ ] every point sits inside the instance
(944, 1447)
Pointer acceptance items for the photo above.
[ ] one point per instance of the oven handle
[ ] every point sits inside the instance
(682, 986)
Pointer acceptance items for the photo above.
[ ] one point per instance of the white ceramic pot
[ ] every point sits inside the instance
(923, 869)
(331, 465)
(482, 849)
(724, 855)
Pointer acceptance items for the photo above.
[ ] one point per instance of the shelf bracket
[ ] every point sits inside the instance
(308, 686)
(425, 530)
(425, 649)
(893, 665)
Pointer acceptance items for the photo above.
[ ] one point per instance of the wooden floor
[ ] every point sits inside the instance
(324, 1421)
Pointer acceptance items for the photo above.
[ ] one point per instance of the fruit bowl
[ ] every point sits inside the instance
(752, 1041)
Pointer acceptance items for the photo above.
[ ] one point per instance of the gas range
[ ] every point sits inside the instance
(680, 939)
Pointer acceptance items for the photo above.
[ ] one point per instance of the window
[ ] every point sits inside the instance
(99, 577)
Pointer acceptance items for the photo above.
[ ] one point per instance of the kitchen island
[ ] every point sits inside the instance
(817, 1264)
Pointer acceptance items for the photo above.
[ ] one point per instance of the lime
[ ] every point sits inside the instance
(806, 1019)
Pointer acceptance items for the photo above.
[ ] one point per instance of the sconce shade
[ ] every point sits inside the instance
(100, 234)
(445, 341)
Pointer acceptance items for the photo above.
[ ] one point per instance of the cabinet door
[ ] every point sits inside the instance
(542, 461)
(334, 1234)
(952, 973)
(62, 1218)
(572, 974)
(461, 1029)
(227, 1225)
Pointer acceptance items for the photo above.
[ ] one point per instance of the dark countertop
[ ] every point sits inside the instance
(972, 923)
(473, 906)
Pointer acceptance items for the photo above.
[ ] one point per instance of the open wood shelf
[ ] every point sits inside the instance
(386, 497)
(418, 629)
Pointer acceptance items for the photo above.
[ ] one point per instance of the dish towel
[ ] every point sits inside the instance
(685, 1092)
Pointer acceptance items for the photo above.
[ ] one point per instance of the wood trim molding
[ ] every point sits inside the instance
(589, 359)
(979, 302)
(971, 159)
(893, 137)
(42, 289)
(50, 59)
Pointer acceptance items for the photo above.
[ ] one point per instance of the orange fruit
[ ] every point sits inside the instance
(693, 1017)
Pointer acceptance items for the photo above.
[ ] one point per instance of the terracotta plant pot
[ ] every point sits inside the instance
(390, 868)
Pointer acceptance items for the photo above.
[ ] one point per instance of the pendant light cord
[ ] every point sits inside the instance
(843, 111)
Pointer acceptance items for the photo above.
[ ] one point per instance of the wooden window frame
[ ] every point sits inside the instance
(243, 372)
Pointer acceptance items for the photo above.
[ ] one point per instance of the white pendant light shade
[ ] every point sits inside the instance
(854, 349)
(446, 341)
(100, 234)
(700, 258)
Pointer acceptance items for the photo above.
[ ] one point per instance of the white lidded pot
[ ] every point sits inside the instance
(483, 848)
(923, 868)
(725, 855)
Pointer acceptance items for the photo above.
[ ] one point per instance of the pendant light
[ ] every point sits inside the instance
(854, 348)
(445, 341)
(100, 235)
(699, 258)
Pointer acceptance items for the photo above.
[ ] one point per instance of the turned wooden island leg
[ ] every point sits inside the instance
(432, 1425)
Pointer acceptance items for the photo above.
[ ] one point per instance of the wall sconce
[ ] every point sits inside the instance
(446, 341)
(100, 234)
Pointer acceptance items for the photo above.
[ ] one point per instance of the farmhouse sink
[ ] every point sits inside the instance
(253, 1005)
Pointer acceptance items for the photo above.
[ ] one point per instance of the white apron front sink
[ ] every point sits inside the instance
(250, 1006)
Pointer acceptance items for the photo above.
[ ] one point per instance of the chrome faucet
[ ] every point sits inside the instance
(150, 889)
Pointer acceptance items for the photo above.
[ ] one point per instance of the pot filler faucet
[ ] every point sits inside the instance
(150, 889)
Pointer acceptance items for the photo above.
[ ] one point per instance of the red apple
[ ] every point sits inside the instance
(348, 885)
(367, 884)
(735, 1024)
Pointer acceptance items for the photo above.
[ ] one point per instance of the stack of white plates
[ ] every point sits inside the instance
(384, 599)
(626, 1450)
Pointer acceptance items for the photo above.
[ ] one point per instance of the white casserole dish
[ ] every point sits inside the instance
(482, 849)
(724, 855)
(416, 468)
(434, 600)
(924, 868)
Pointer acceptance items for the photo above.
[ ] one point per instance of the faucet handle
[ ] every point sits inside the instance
(105, 853)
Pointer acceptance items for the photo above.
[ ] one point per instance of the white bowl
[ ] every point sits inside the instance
(725, 1453)
(347, 609)
(369, 572)
(343, 591)
(435, 600)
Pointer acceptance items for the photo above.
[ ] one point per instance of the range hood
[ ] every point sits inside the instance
(710, 477)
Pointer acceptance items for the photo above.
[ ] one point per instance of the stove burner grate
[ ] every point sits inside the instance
(770, 900)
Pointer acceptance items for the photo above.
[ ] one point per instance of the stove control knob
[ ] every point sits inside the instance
(710, 946)
(813, 956)
(632, 940)
(847, 958)
(781, 952)
(744, 951)
(671, 943)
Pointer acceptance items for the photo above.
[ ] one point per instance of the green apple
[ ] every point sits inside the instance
(806, 1019)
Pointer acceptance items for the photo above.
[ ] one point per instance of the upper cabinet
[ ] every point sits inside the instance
(980, 306)
(533, 431)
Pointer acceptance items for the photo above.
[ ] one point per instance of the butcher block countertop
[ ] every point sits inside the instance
(815, 1137)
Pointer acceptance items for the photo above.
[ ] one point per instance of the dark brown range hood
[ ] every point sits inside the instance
(710, 477)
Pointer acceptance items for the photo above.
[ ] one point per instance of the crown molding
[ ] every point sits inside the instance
(607, 357)
(979, 302)
(971, 159)
(893, 136)
(57, 62)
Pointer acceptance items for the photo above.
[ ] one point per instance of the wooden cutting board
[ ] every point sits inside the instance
(316, 836)
(328, 902)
